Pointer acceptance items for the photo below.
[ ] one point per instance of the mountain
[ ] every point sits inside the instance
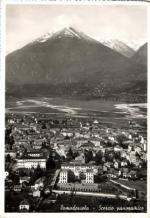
(141, 55)
(66, 56)
(119, 46)
(70, 63)
(134, 44)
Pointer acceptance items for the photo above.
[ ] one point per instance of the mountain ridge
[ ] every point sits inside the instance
(74, 62)
(120, 47)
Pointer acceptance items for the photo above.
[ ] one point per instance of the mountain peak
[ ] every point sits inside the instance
(69, 31)
(119, 46)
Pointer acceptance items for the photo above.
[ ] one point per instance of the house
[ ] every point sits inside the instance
(123, 154)
(52, 198)
(37, 193)
(29, 162)
(144, 146)
(36, 146)
(95, 122)
(17, 188)
(24, 205)
(124, 163)
(116, 165)
(34, 153)
(132, 174)
(87, 145)
(132, 157)
(96, 142)
(138, 149)
(117, 148)
(24, 179)
(108, 164)
(47, 191)
(125, 172)
(105, 168)
(12, 153)
(67, 133)
(144, 157)
(81, 142)
(80, 158)
(39, 183)
(113, 174)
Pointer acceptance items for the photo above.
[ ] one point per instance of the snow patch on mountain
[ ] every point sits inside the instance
(44, 38)
(135, 44)
(71, 32)
(66, 32)
(118, 46)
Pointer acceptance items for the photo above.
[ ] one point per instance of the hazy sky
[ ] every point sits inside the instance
(25, 23)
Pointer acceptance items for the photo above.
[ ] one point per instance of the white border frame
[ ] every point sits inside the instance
(2, 105)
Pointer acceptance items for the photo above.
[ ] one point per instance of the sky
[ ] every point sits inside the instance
(25, 23)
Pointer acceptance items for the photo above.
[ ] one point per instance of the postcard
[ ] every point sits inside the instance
(74, 93)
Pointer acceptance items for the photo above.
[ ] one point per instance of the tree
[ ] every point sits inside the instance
(121, 138)
(43, 126)
(70, 154)
(67, 137)
(50, 162)
(8, 158)
(71, 177)
(88, 155)
(82, 176)
(38, 172)
(98, 157)
(11, 140)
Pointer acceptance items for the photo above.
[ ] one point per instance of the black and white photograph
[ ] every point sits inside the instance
(75, 108)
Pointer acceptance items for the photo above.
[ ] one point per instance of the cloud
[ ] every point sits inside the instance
(63, 21)
(25, 23)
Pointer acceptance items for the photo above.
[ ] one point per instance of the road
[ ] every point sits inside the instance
(103, 195)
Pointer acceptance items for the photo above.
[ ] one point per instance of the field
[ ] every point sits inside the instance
(138, 184)
(109, 112)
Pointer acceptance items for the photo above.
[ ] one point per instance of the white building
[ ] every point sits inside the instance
(37, 193)
(31, 162)
(24, 205)
(144, 146)
(63, 177)
(116, 165)
(89, 177)
(78, 168)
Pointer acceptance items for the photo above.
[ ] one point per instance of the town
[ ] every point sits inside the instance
(61, 164)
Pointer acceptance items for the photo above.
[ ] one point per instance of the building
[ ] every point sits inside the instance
(81, 187)
(34, 152)
(24, 179)
(24, 205)
(31, 162)
(89, 176)
(77, 168)
(116, 165)
(17, 188)
(11, 153)
(39, 183)
(132, 157)
(80, 158)
(37, 193)
(63, 177)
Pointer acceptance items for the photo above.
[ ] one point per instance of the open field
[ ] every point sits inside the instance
(109, 112)
(137, 184)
